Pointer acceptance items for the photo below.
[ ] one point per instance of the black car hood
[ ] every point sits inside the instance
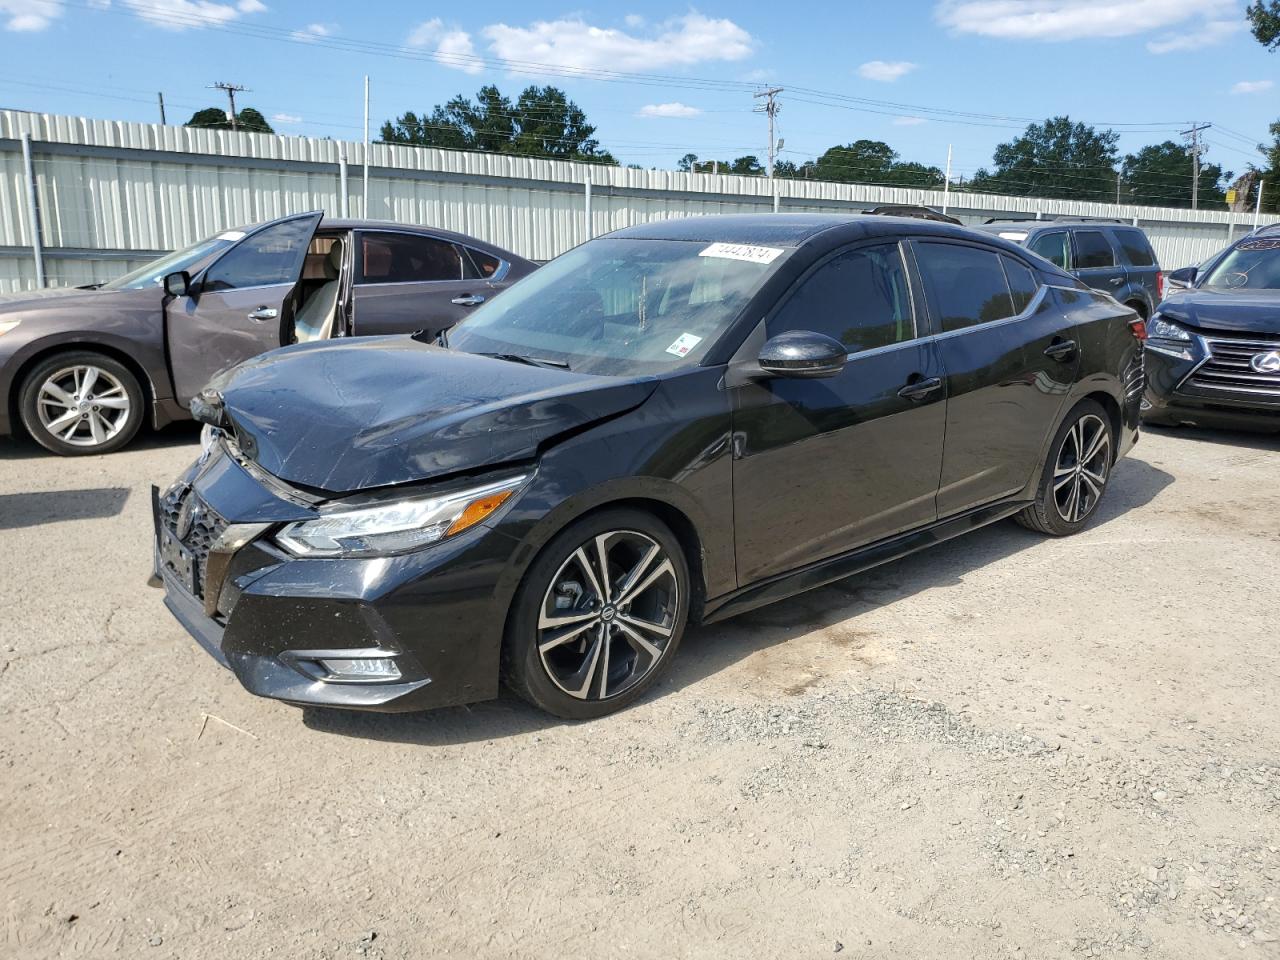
(1251, 311)
(353, 414)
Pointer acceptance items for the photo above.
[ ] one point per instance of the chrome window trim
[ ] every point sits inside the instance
(1032, 307)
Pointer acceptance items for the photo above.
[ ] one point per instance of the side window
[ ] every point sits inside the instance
(1054, 248)
(860, 298)
(406, 258)
(1022, 283)
(270, 256)
(1093, 250)
(486, 265)
(1137, 250)
(966, 285)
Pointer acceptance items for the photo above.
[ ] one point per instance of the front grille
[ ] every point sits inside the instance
(205, 526)
(1227, 369)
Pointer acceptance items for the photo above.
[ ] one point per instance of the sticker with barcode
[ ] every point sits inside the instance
(684, 343)
(742, 251)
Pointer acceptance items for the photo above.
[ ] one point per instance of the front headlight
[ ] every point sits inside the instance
(7, 325)
(1158, 328)
(398, 526)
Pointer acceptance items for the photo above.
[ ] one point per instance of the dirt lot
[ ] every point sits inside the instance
(1006, 747)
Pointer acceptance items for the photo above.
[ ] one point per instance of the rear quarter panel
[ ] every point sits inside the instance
(1110, 356)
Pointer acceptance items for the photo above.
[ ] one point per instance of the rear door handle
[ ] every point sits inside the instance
(264, 313)
(470, 300)
(919, 389)
(1062, 350)
(1116, 281)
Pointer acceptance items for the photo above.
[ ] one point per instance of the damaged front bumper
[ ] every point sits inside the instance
(399, 633)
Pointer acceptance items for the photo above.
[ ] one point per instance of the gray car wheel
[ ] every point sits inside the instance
(80, 403)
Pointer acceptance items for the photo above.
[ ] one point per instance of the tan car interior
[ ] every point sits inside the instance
(321, 285)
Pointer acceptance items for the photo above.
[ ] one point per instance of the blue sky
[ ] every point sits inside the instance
(913, 73)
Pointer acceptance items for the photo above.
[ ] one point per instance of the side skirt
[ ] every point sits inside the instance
(856, 561)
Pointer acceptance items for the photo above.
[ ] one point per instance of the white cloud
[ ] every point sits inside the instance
(452, 46)
(908, 121)
(312, 32)
(680, 110)
(574, 43)
(1252, 86)
(192, 14)
(29, 16)
(1207, 34)
(885, 71)
(285, 118)
(634, 21)
(1076, 19)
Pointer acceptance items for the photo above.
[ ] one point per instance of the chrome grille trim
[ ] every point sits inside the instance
(1226, 368)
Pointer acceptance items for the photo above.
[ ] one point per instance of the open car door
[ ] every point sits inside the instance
(240, 305)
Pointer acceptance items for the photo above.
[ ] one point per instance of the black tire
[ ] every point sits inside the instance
(113, 413)
(539, 664)
(1064, 477)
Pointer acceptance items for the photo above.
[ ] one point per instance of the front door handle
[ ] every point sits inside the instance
(1062, 350)
(470, 300)
(1116, 281)
(262, 314)
(917, 390)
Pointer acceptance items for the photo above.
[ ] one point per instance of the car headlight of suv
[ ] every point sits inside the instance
(1158, 328)
(397, 526)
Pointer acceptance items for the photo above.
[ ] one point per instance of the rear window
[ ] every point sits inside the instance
(1136, 249)
(408, 258)
(486, 265)
(1054, 248)
(965, 285)
(1092, 250)
(1022, 283)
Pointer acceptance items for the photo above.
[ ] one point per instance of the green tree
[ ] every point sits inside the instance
(1264, 20)
(542, 122)
(1271, 173)
(748, 166)
(1056, 158)
(871, 161)
(686, 163)
(248, 120)
(1161, 174)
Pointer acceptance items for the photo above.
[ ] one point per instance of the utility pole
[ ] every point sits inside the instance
(161, 96)
(1194, 152)
(1257, 207)
(365, 210)
(946, 181)
(231, 90)
(770, 109)
(1117, 188)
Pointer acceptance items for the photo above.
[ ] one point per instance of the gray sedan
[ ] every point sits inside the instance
(82, 368)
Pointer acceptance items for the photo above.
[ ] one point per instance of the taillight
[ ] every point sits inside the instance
(1139, 329)
(1159, 285)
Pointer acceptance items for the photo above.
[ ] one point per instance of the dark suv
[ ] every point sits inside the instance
(1109, 255)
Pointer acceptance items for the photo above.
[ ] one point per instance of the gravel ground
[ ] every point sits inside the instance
(1008, 746)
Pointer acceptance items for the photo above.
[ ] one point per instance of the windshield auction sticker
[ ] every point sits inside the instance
(742, 251)
(235, 236)
(685, 342)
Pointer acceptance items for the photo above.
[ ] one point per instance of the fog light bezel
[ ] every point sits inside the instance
(315, 665)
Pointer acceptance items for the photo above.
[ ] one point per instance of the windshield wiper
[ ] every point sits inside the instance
(531, 361)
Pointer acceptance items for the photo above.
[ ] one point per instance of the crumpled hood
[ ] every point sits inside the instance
(1256, 311)
(347, 415)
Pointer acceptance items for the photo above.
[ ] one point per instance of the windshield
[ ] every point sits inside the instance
(1252, 265)
(153, 274)
(622, 307)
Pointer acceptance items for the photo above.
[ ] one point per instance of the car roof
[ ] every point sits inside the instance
(783, 229)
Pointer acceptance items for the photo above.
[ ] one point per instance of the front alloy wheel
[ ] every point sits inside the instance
(611, 606)
(81, 402)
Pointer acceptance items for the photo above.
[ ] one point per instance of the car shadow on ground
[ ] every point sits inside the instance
(55, 506)
(22, 447)
(709, 650)
(1247, 439)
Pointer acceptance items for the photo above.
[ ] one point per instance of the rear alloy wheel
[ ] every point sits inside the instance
(1076, 474)
(599, 615)
(81, 403)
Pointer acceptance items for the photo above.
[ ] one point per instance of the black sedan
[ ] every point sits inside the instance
(672, 424)
(83, 368)
(1214, 348)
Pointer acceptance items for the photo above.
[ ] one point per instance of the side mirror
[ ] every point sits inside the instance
(802, 354)
(177, 284)
(1186, 277)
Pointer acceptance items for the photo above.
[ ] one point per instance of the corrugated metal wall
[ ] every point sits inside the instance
(113, 195)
